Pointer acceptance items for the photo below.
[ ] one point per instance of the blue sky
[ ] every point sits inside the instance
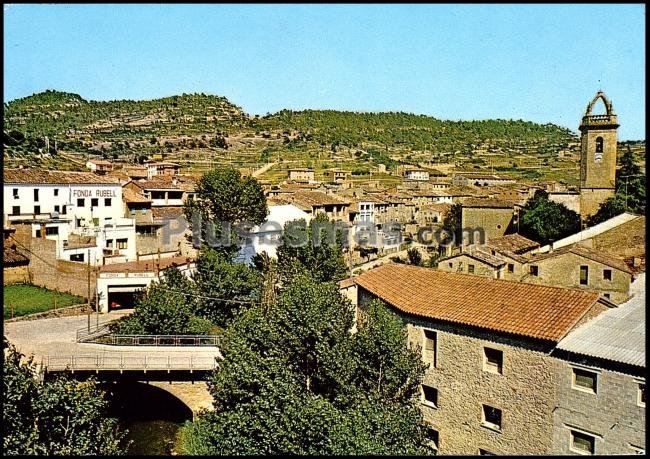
(541, 63)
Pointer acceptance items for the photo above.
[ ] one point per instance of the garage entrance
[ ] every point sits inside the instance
(123, 297)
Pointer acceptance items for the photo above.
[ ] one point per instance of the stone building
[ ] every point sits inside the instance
(301, 175)
(580, 267)
(597, 156)
(491, 386)
(474, 261)
(601, 385)
(493, 217)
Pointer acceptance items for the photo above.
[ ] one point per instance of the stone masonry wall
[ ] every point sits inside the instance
(612, 415)
(525, 392)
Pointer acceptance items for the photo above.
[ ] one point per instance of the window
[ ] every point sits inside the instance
(94, 202)
(107, 202)
(51, 231)
(121, 243)
(109, 243)
(434, 437)
(451, 265)
(485, 452)
(641, 396)
(56, 191)
(511, 267)
(582, 443)
(15, 210)
(57, 208)
(470, 269)
(96, 221)
(77, 257)
(607, 274)
(132, 211)
(534, 271)
(491, 417)
(37, 209)
(430, 396)
(36, 195)
(64, 210)
(15, 193)
(492, 360)
(584, 275)
(38, 233)
(599, 144)
(584, 380)
(429, 348)
(607, 295)
(81, 202)
(77, 222)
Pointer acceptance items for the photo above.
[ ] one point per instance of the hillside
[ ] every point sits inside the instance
(201, 130)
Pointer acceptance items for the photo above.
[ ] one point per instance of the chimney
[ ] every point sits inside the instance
(550, 247)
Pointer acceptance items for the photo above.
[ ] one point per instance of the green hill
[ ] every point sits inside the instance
(199, 130)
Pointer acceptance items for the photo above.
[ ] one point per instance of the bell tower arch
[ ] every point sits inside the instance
(597, 156)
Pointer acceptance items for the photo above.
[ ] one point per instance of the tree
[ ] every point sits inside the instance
(452, 223)
(294, 380)
(415, 257)
(224, 286)
(546, 221)
(224, 198)
(168, 307)
(316, 248)
(54, 417)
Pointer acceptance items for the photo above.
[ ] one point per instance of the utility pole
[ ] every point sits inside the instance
(88, 296)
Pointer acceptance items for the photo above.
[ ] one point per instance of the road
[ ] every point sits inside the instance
(57, 337)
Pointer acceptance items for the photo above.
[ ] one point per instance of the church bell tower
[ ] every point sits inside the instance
(597, 156)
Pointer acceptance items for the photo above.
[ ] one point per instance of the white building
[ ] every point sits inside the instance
(82, 211)
(266, 237)
(118, 283)
(416, 174)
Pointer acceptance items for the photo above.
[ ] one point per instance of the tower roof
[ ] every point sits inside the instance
(608, 120)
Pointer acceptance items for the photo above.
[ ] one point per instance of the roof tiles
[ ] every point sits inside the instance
(534, 311)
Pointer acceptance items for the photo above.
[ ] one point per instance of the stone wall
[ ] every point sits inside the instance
(460, 264)
(564, 271)
(612, 415)
(44, 270)
(495, 222)
(15, 275)
(525, 392)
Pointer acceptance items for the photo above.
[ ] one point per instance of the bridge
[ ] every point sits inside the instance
(178, 364)
(68, 344)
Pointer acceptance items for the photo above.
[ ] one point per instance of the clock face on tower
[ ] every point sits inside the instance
(598, 157)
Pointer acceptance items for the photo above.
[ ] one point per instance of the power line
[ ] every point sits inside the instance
(227, 300)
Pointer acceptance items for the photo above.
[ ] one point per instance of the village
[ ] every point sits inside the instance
(531, 346)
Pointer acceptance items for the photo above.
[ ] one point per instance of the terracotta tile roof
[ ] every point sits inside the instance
(314, 198)
(488, 202)
(131, 196)
(159, 184)
(534, 311)
(12, 257)
(145, 265)
(437, 207)
(514, 243)
(37, 176)
(167, 212)
(345, 283)
(585, 252)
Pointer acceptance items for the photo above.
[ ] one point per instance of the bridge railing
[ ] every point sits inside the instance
(160, 340)
(86, 334)
(105, 362)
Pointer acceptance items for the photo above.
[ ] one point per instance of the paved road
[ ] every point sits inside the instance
(57, 337)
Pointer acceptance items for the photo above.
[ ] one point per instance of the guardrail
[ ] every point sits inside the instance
(121, 362)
